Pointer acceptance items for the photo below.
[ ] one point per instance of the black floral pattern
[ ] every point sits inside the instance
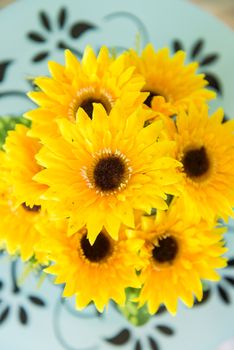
(75, 31)
(125, 335)
(196, 53)
(222, 287)
(3, 68)
(227, 281)
(21, 310)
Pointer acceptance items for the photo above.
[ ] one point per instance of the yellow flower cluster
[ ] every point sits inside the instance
(121, 179)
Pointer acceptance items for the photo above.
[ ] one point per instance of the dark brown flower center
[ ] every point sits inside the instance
(35, 208)
(149, 99)
(87, 105)
(196, 162)
(99, 251)
(166, 250)
(109, 173)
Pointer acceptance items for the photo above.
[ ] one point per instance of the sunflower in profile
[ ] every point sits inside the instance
(20, 155)
(99, 170)
(178, 255)
(18, 231)
(205, 147)
(171, 84)
(97, 272)
(96, 79)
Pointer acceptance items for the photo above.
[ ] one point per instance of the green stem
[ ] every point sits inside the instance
(131, 311)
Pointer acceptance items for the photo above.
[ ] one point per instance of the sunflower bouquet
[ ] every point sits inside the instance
(120, 181)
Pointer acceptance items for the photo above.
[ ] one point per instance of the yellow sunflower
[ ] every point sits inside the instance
(171, 84)
(99, 170)
(96, 79)
(20, 154)
(178, 255)
(205, 147)
(97, 272)
(17, 225)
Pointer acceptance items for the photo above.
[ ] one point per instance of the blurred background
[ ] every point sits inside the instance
(223, 9)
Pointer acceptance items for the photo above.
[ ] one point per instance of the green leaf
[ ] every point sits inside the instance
(8, 123)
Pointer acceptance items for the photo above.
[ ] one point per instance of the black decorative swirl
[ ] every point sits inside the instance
(141, 28)
(15, 93)
(4, 66)
(91, 314)
(124, 336)
(57, 327)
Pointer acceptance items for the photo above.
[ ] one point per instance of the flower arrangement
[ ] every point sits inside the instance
(119, 182)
